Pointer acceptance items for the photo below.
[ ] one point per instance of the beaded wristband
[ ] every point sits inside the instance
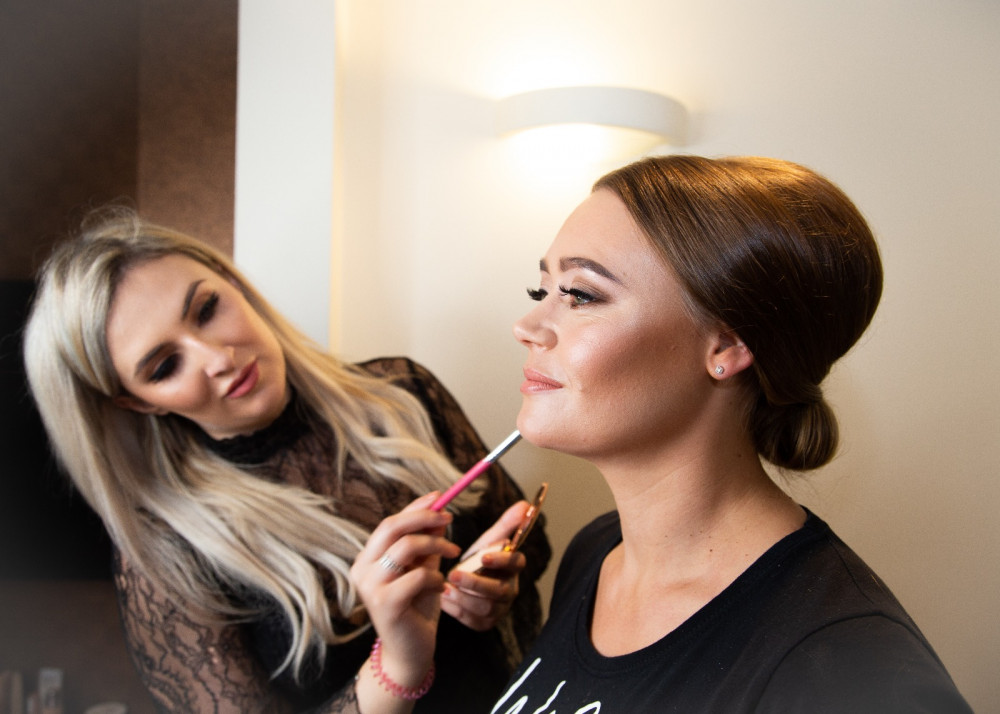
(409, 693)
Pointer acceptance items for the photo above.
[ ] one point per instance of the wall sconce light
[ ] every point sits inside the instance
(636, 109)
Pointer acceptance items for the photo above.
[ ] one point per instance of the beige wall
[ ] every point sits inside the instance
(898, 102)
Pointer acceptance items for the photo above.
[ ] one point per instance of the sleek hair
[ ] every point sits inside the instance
(192, 522)
(779, 255)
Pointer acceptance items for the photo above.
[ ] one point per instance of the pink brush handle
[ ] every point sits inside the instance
(472, 474)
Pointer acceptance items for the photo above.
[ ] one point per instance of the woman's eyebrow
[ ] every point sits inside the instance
(581, 263)
(192, 288)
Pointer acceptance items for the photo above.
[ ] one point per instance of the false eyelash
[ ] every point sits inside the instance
(537, 295)
(577, 294)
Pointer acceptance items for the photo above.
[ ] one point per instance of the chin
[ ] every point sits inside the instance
(538, 432)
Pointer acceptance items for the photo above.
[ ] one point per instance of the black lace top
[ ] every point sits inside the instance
(190, 667)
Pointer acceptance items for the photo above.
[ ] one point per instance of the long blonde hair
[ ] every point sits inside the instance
(192, 522)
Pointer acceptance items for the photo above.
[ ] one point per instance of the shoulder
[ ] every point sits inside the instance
(847, 641)
(413, 377)
(398, 369)
(838, 582)
(870, 663)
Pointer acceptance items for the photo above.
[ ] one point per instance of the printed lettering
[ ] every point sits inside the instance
(518, 705)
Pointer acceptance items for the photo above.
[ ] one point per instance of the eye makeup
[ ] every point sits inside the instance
(577, 297)
(207, 311)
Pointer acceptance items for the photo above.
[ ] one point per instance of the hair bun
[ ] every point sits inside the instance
(800, 436)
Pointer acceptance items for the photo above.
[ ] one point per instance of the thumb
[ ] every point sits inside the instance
(502, 529)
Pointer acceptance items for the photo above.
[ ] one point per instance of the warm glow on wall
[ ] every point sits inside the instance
(586, 125)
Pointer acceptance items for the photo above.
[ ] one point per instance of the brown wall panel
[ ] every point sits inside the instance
(187, 117)
(68, 119)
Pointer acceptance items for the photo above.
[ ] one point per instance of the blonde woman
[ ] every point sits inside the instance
(240, 470)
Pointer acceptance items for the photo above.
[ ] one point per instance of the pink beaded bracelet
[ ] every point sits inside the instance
(410, 693)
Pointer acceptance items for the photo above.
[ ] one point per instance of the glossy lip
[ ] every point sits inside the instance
(535, 382)
(245, 382)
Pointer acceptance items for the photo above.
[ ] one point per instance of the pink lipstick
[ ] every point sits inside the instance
(245, 382)
(535, 382)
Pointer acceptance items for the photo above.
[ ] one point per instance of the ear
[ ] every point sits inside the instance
(727, 354)
(127, 401)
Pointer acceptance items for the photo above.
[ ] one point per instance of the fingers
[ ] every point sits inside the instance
(392, 598)
(501, 564)
(479, 601)
(502, 529)
(397, 576)
(511, 518)
(495, 580)
(409, 548)
(402, 539)
(408, 541)
(483, 592)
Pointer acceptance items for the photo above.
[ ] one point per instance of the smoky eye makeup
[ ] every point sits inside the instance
(164, 368)
(208, 309)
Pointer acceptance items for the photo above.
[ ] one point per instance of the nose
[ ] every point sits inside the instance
(533, 330)
(217, 359)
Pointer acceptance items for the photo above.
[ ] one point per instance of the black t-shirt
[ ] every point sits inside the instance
(807, 628)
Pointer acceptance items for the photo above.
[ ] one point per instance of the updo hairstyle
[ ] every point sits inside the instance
(777, 254)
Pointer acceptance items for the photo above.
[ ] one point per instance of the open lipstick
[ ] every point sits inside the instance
(473, 562)
(472, 474)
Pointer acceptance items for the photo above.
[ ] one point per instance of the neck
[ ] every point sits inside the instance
(699, 512)
(696, 512)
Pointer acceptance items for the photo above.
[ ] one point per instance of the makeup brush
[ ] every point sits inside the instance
(472, 474)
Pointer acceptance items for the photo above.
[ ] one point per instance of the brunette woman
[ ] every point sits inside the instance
(688, 312)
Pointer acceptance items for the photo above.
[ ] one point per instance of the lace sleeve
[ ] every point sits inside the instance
(191, 667)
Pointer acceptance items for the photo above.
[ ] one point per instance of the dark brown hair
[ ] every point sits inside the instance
(781, 256)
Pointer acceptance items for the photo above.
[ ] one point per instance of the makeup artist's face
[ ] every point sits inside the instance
(615, 364)
(184, 340)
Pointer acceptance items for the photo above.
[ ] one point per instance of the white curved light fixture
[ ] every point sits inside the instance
(607, 106)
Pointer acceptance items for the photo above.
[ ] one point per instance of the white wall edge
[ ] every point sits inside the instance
(283, 236)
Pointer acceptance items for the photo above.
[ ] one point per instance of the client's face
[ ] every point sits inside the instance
(184, 340)
(615, 366)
